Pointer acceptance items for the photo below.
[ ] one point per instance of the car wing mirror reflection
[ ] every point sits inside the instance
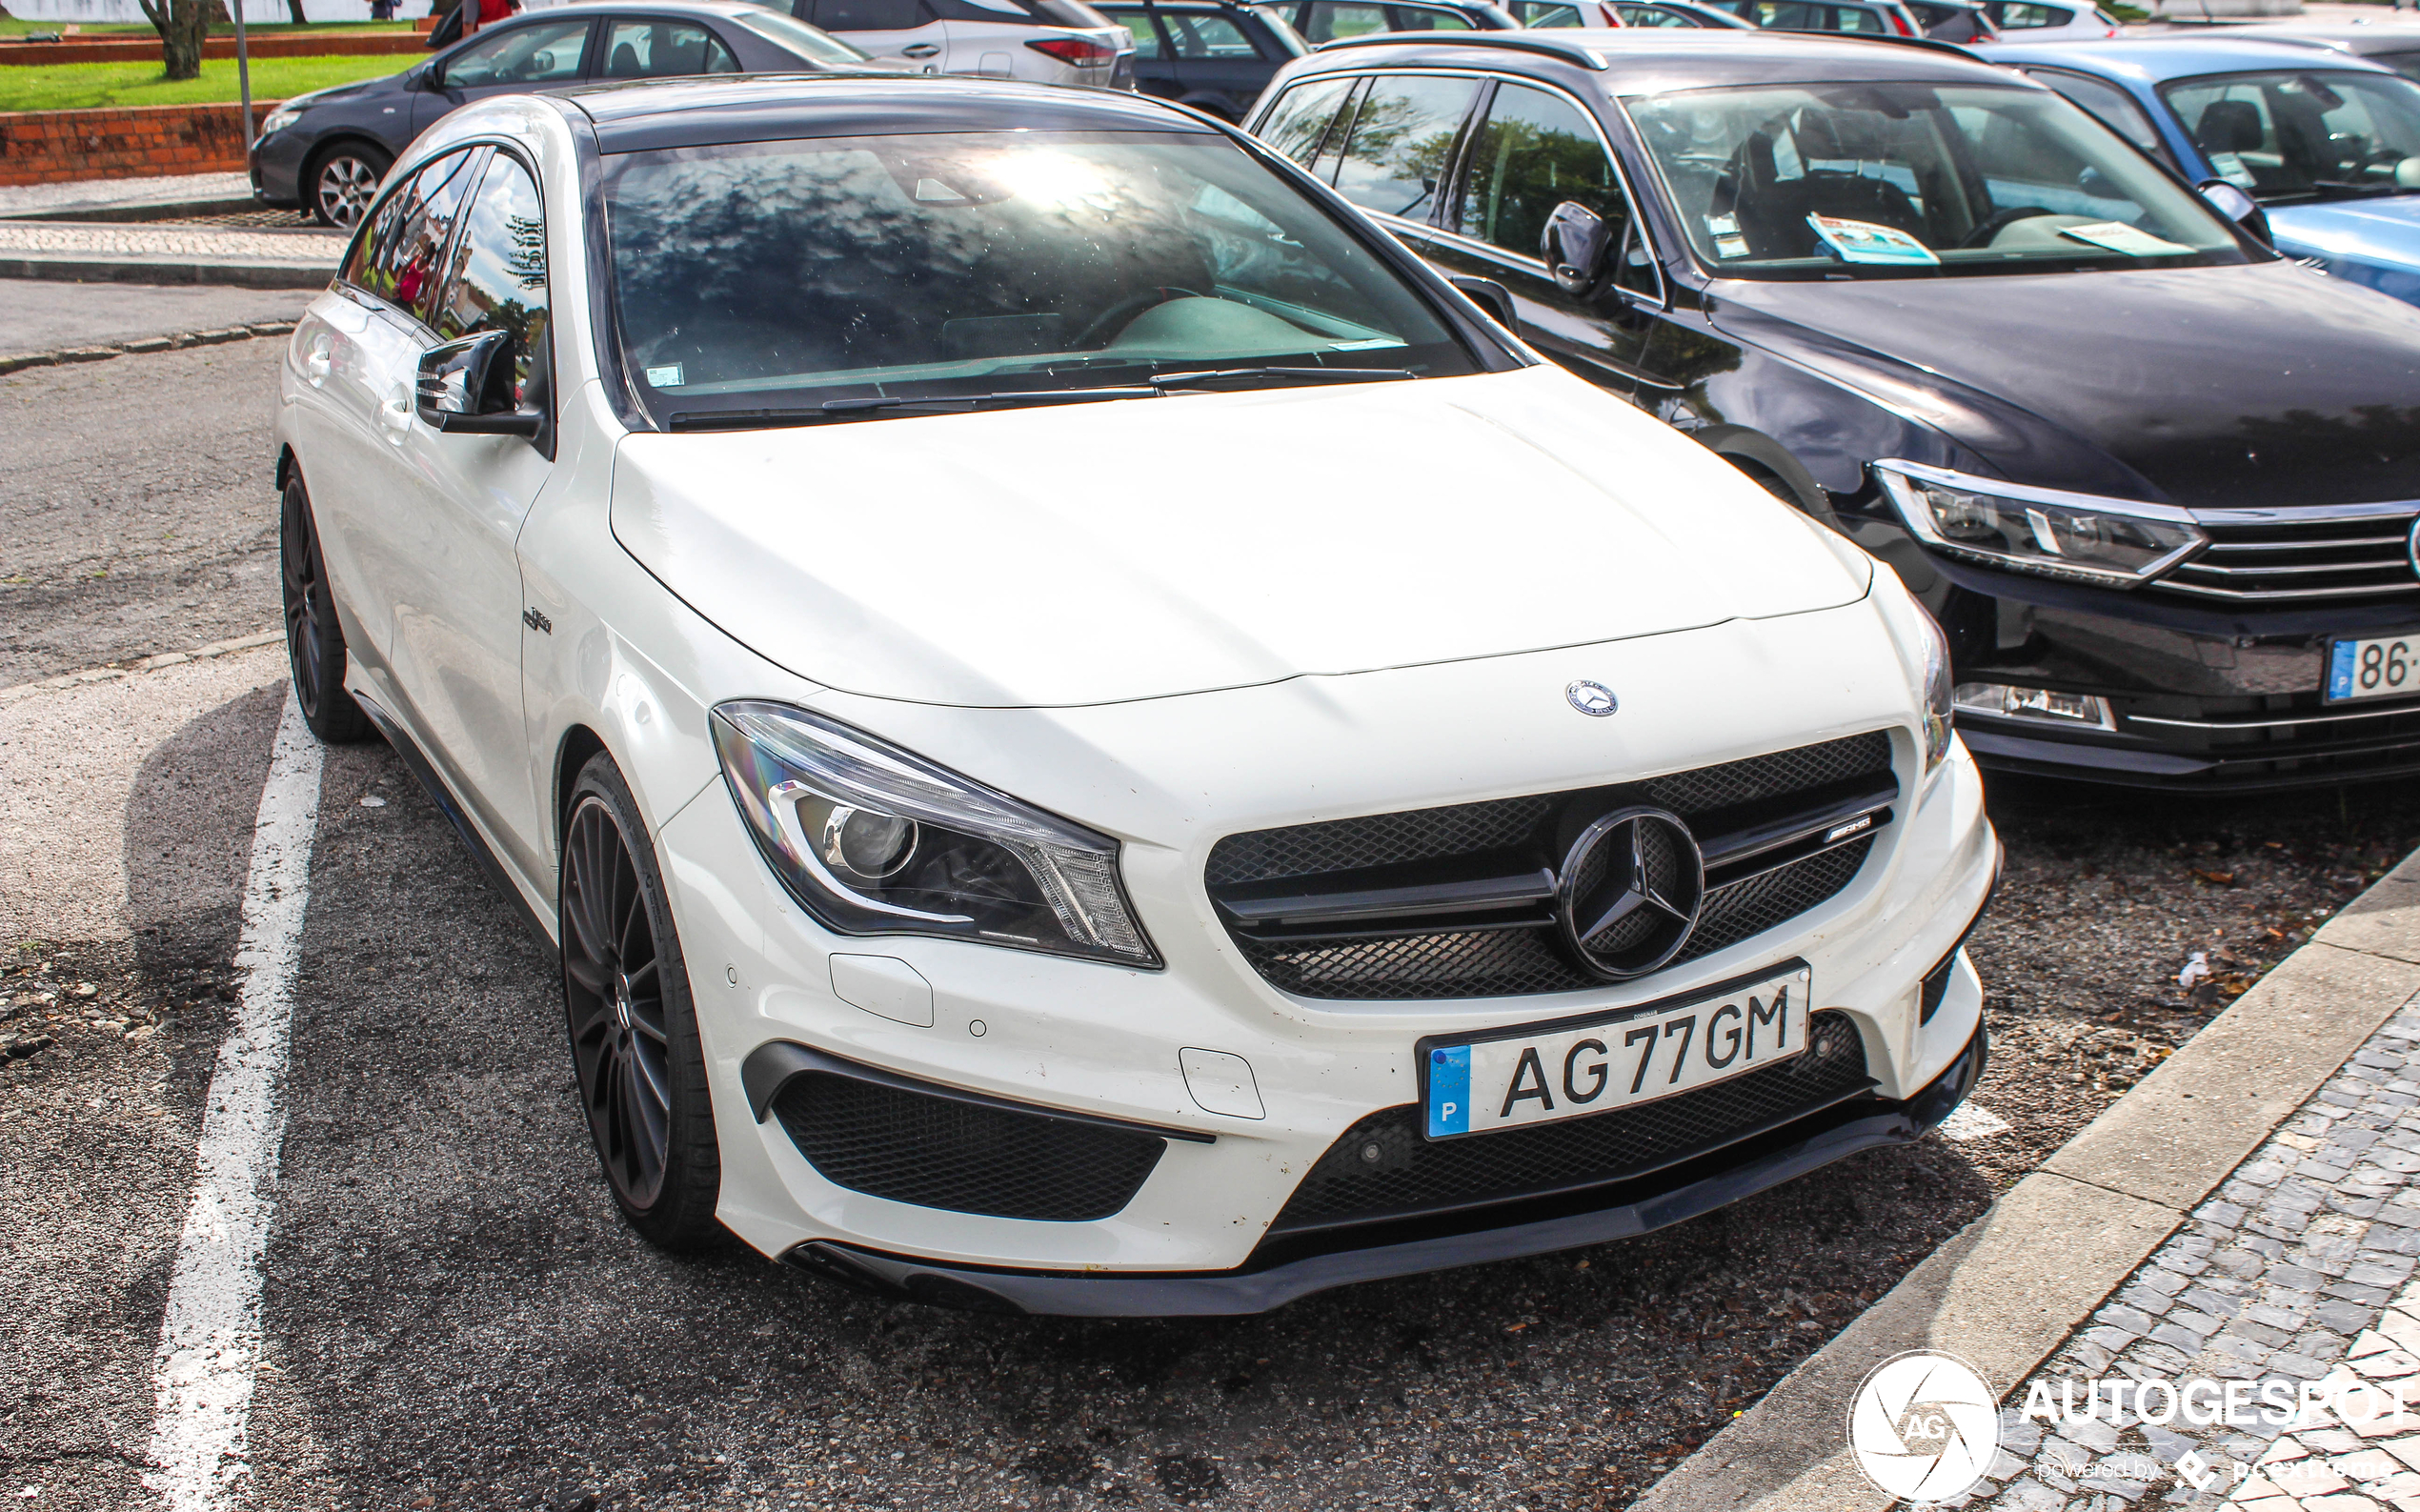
(1573, 245)
(2236, 206)
(465, 388)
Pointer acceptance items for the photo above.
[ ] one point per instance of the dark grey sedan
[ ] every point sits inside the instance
(326, 151)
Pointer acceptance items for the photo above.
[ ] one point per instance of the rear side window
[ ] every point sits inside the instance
(401, 258)
(869, 15)
(2110, 106)
(651, 49)
(1849, 18)
(2020, 17)
(1306, 117)
(1401, 138)
(1422, 18)
(1648, 16)
(1326, 20)
(1148, 47)
(1548, 13)
(1792, 15)
(1206, 38)
(501, 282)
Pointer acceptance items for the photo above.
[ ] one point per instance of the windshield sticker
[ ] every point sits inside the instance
(2119, 237)
(1860, 241)
(1730, 246)
(2231, 168)
(664, 378)
(1722, 224)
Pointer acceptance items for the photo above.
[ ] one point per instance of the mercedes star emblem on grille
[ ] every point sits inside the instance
(1592, 698)
(1630, 891)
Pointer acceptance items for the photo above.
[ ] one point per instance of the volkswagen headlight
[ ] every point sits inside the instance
(280, 118)
(872, 840)
(2117, 542)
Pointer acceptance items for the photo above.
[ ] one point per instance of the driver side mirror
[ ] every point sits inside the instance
(2236, 206)
(465, 388)
(1575, 244)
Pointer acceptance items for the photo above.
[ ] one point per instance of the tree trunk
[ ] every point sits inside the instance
(294, 8)
(181, 45)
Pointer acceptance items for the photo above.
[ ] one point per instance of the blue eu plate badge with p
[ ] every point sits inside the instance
(1448, 1091)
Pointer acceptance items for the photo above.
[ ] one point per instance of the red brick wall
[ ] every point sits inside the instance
(47, 146)
(271, 45)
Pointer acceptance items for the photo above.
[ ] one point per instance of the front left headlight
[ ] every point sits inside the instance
(2084, 538)
(278, 119)
(873, 840)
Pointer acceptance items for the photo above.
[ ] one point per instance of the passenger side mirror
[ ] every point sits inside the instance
(465, 388)
(1488, 295)
(1573, 245)
(2236, 206)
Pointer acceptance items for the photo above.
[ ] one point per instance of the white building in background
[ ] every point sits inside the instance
(94, 11)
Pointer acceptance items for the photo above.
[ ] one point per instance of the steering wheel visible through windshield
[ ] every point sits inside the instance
(1889, 179)
(2283, 136)
(819, 278)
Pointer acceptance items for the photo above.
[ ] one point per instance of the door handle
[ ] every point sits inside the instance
(920, 49)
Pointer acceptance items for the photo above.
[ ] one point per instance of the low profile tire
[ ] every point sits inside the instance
(634, 1030)
(315, 639)
(339, 182)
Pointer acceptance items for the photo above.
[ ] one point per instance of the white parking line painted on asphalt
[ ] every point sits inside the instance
(209, 1338)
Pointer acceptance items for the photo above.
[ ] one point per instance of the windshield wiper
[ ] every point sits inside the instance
(2339, 188)
(854, 409)
(1192, 380)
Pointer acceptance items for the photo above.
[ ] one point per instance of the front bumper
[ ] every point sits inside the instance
(2204, 697)
(1088, 1040)
(276, 167)
(1540, 1227)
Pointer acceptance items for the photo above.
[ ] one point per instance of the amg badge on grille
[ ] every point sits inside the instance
(1592, 698)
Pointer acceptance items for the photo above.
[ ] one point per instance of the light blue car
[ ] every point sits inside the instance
(2328, 144)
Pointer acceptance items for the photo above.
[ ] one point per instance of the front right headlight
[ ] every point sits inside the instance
(1926, 651)
(2084, 538)
(872, 840)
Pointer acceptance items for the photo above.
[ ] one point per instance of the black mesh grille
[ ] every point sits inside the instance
(1378, 840)
(1381, 1168)
(937, 1151)
(1748, 908)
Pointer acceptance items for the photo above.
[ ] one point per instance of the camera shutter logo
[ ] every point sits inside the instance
(1924, 1427)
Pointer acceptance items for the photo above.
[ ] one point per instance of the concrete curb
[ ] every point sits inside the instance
(100, 351)
(161, 270)
(152, 663)
(2012, 1286)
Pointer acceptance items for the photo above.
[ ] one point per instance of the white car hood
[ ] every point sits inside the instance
(1099, 553)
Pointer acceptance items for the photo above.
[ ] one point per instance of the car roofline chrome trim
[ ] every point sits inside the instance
(1587, 57)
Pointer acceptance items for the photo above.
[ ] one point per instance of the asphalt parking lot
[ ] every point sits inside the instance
(454, 1315)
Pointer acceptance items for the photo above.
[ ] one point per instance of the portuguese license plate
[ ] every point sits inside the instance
(2387, 667)
(1573, 1067)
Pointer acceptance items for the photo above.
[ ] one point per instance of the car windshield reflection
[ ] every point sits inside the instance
(789, 275)
(1892, 179)
(2288, 136)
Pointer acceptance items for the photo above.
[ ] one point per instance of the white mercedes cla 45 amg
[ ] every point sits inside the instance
(1091, 735)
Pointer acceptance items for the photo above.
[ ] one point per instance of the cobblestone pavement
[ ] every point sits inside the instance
(2299, 1269)
(27, 199)
(88, 239)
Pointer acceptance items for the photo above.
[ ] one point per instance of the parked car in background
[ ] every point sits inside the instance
(1045, 41)
(1215, 55)
(2039, 21)
(1958, 21)
(1037, 894)
(1851, 17)
(2390, 44)
(2327, 143)
(1604, 13)
(2159, 485)
(326, 151)
(1323, 21)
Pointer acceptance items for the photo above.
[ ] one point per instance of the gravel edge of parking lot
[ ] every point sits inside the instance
(2102, 1203)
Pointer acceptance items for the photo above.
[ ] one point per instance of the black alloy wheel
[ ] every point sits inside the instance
(341, 181)
(314, 641)
(642, 1073)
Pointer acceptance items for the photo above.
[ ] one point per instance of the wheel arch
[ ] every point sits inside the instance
(1770, 463)
(289, 467)
(580, 743)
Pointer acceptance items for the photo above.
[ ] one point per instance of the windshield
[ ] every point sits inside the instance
(1881, 180)
(2322, 134)
(790, 275)
(810, 43)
